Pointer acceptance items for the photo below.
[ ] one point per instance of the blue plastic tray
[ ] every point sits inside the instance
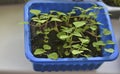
(67, 64)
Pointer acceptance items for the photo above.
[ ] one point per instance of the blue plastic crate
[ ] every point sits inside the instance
(67, 64)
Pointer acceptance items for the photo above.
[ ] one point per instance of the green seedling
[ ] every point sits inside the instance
(74, 31)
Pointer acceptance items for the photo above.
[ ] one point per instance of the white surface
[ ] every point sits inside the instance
(110, 8)
(12, 58)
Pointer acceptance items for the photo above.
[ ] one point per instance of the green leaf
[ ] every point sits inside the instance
(84, 48)
(110, 42)
(63, 27)
(88, 9)
(86, 28)
(76, 46)
(47, 31)
(98, 49)
(83, 16)
(72, 12)
(68, 30)
(85, 41)
(81, 9)
(75, 52)
(96, 7)
(79, 23)
(95, 44)
(110, 50)
(44, 16)
(106, 32)
(56, 19)
(47, 47)
(94, 27)
(67, 53)
(99, 23)
(39, 51)
(77, 34)
(61, 13)
(63, 37)
(66, 46)
(35, 18)
(41, 21)
(53, 56)
(99, 36)
(35, 12)
(60, 34)
(38, 32)
(93, 22)
(98, 43)
(58, 12)
(46, 41)
(92, 14)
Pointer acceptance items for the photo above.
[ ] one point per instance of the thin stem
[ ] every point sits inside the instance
(60, 53)
(46, 24)
(68, 20)
(75, 42)
(46, 38)
(92, 35)
(56, 28)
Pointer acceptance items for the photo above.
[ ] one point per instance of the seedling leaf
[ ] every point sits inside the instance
(38, 32)
(35, 12)
(81, 9)
(79, 23)
(47, 47)
(66, 46)
(110, 50)
(56, 19)
(72, 12)
(85, 41)
(58, 12)
(35, 18)
(67, 53)
(75, 52)
(106, 32)
(110, 42)
(98, 43)
(92, 14)
(84, 48)
(99, 23)
(39, 51)
(76, 46)
(41, 21)
(68, 30)
(63, 37)
(53, 56)
(60, 34)
(77, 34)
(93, 27)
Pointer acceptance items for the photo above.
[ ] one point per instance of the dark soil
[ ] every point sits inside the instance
(37, 41)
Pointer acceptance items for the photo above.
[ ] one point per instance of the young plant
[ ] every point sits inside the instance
(69, 34)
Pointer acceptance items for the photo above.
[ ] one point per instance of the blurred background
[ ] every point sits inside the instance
(2, 2)
(12, 57)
